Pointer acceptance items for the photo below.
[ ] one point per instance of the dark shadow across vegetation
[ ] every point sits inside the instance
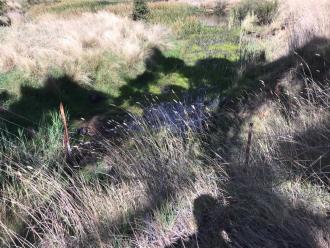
(208, 76)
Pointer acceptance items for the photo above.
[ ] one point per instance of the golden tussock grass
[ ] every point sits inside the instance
(308, 19)
(303, 20)
(65, 43)
(141, 192)
(71, 211)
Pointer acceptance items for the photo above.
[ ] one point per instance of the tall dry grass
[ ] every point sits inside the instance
(143, 191)
(303, 21)
(307, 20)
(66, 43)
(120, 204)
(293, 133)
(289, 155)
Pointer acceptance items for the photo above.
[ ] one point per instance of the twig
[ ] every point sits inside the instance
(66, 141)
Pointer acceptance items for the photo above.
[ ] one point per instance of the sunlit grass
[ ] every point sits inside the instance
(145, 179)
(67, 7)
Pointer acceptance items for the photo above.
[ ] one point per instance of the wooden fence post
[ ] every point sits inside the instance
(248, 145)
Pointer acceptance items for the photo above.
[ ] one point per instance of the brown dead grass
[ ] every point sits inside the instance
(303, 20)
(55, 42)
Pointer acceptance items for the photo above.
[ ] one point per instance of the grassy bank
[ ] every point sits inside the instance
(163, 150)
(112, 60)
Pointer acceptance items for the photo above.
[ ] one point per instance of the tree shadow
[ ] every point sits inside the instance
(248, 218)
(255, 215)
(207, 76)
(311, 61)
(35, 104)
(262, 83)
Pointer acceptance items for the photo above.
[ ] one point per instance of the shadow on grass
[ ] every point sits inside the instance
(207, 77)
(208, 215)
(308, 65)
(308, 154)
(36, 104)
(254, 216)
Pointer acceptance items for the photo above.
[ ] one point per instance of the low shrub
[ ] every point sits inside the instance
(251, 52)
(264, 10)
(220, 7)
(188, 26)
(2, 6)
(140, 10)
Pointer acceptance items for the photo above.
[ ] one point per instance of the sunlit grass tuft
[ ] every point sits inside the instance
(52, 42)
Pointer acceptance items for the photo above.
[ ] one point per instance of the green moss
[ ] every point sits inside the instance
(133, 108)
(227, 50)
(169, 81)
(228, 47)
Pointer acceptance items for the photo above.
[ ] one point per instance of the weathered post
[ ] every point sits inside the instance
(248, 145)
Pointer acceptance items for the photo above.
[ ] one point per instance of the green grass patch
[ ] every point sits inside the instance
(202, 58)
(166, 215)
(265, 10)
(181, 18)
(73, 6)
